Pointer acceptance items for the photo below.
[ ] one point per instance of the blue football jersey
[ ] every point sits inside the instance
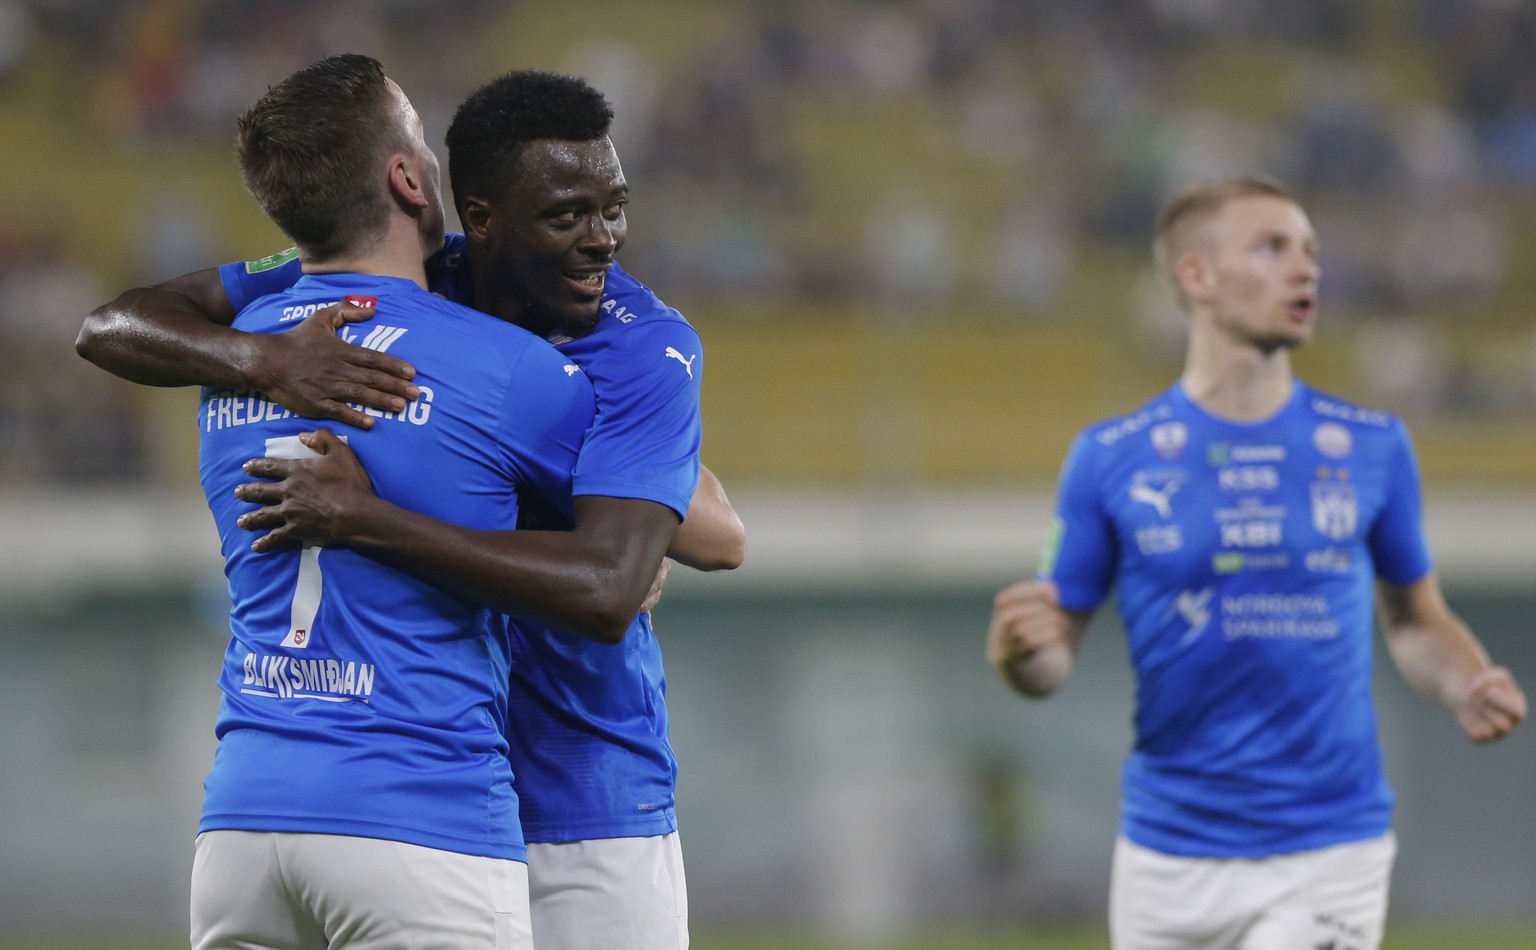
(588, 723)
(1243, 559)
(358, 700)
(588, 731)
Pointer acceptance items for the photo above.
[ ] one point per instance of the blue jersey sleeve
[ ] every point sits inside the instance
(645, 440)
(547, 412)
(1081, 553)
(1398, 548)
(248, 281)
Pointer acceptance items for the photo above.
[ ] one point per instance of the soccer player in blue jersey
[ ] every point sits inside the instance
(1245, 522)
(541, 193)
(360, 794)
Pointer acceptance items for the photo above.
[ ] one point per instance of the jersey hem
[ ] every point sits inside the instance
(663, 824)
(1178, 847)
(515, 851)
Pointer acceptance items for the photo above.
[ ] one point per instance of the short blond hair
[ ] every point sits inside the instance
(1191, 208)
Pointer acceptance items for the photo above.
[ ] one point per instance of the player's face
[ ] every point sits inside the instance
(432, 216)
(1263, 272)
(555, 232)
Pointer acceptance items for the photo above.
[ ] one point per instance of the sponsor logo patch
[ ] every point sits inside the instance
(1194, 606)
(1052, 547)
(1225, 453)
(1159, 539)
(1328, 561)
(1333, 440)
(673, 354)
(1236, 562)
(1248, 478)
(1156, 488)
(271, 261)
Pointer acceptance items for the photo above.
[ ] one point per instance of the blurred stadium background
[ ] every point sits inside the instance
(914, 236)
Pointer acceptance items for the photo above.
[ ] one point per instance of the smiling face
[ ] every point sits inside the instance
(1254, 272)
(549, 240)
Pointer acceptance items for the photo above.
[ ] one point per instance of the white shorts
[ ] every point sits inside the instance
(1330, 897)
(609, 893)
(253, 889)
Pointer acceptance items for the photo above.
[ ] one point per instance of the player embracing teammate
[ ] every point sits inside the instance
(573, 677)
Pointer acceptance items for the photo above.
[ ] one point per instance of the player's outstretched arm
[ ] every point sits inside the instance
(1440, 658)
(178, 334)
(1033, 641)
(712, 537)
(591, 580)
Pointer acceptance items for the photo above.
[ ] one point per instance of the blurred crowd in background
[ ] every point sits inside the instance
(916, 164)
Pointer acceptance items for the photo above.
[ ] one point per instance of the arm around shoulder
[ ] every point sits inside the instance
(171, 334)
(590, 581)
(179, 333)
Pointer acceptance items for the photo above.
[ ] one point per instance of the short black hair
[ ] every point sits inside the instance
(496, 123)
(307, 148)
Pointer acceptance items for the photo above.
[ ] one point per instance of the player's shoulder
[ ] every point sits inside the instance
(1327, 406)
(482, 333)
(1338, 427)
(455, 245)
(457, 317)
(631, 308)
(406, 313)
(1155, 422)
(453, 256)
(468, 337)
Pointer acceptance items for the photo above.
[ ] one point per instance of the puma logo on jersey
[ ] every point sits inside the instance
(571, 369)
(673, 354)
(1159, 500)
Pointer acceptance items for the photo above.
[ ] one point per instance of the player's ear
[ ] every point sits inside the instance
(1193, 277)
(407, 181)
(475, 216)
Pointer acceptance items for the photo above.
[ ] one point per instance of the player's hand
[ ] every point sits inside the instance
(1025, 618)
(1492, 706)
(653, 596)
(307, 500)
(314, 373)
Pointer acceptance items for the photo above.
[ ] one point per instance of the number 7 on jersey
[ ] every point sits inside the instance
(309, 583)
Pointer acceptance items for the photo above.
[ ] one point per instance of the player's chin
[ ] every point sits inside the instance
(581, 319)
(1289, 339)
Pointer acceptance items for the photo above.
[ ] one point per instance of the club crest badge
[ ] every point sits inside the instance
(1335, 512)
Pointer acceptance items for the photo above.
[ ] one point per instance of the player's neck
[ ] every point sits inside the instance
(399, 254)
(1235, 382)
(493, 296)
(498, 296)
